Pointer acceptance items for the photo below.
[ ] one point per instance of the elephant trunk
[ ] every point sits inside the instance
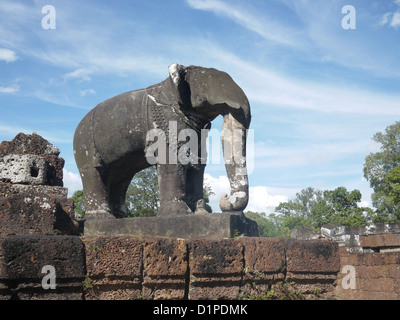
(234, 136)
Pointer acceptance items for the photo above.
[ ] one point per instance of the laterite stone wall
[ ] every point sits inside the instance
(150, 268)
(128, 267)
(372, 273)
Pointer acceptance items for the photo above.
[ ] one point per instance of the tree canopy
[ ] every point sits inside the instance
(312, 208)
(382, 171)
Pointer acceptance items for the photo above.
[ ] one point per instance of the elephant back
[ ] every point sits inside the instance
(115, 128)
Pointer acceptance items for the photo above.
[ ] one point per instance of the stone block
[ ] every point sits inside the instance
(28, 144)
(31, 159)
(216, 269)
(37, 214)
(192, 226)
(312, 266)
(8, 189)
(265, 264)
(312, 256)
(114, 268)
(55, 172)
(23, 169)
(380, 240)
(22, 259)
(304, 234)
(165, 268)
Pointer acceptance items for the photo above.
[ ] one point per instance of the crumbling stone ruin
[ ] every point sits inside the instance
(32, 198)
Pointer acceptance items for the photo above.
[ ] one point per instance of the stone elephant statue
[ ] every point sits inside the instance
(112, 141)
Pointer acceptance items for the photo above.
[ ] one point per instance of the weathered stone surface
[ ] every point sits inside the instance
(23, 169)
(114, 268)
(265, 264)
(312, 256)
(129, 267)
(375, 276)
(312, 266)
(28, 144)
(30, 159)
(351, 236)
(8, 189)
(216, 269)
(22, 259)
(380, 240)
(36, 214)
(110, 143)
(210, 226)
(165, 268)
(304, 234)
(55, 173)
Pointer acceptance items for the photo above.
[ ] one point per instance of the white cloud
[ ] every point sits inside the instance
(83, 93)
(7, 55)
(289, 156)
(81, 75)
(385, 18)
(391, 18)
(61, 99)
(261, 198)
(273, 88)
(10, 89)
(72, 181)
(395, 23)
(265, 199)
(265, 27)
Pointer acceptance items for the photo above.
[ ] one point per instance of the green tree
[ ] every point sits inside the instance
(207, 193)
(377, 167)
(313, 208)
(143, 196)
(266, 227)
(392, 181)
(342, 206)
(79, 207)
(302, 205)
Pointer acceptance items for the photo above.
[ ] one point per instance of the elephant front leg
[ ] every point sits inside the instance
(172, 185)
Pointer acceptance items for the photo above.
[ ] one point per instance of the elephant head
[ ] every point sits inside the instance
(208, 93)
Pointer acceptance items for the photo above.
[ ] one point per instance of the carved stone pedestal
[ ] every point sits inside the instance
(193, 226)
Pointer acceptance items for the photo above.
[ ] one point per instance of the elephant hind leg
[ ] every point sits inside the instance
(96, 194)
(117, 196)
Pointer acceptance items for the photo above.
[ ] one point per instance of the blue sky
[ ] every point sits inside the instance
(318, 92)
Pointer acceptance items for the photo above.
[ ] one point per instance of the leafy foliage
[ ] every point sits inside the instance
(392, 181)
(143, 196)
(267, 226)
(79, 207)
(311, 209)
(380, 170)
